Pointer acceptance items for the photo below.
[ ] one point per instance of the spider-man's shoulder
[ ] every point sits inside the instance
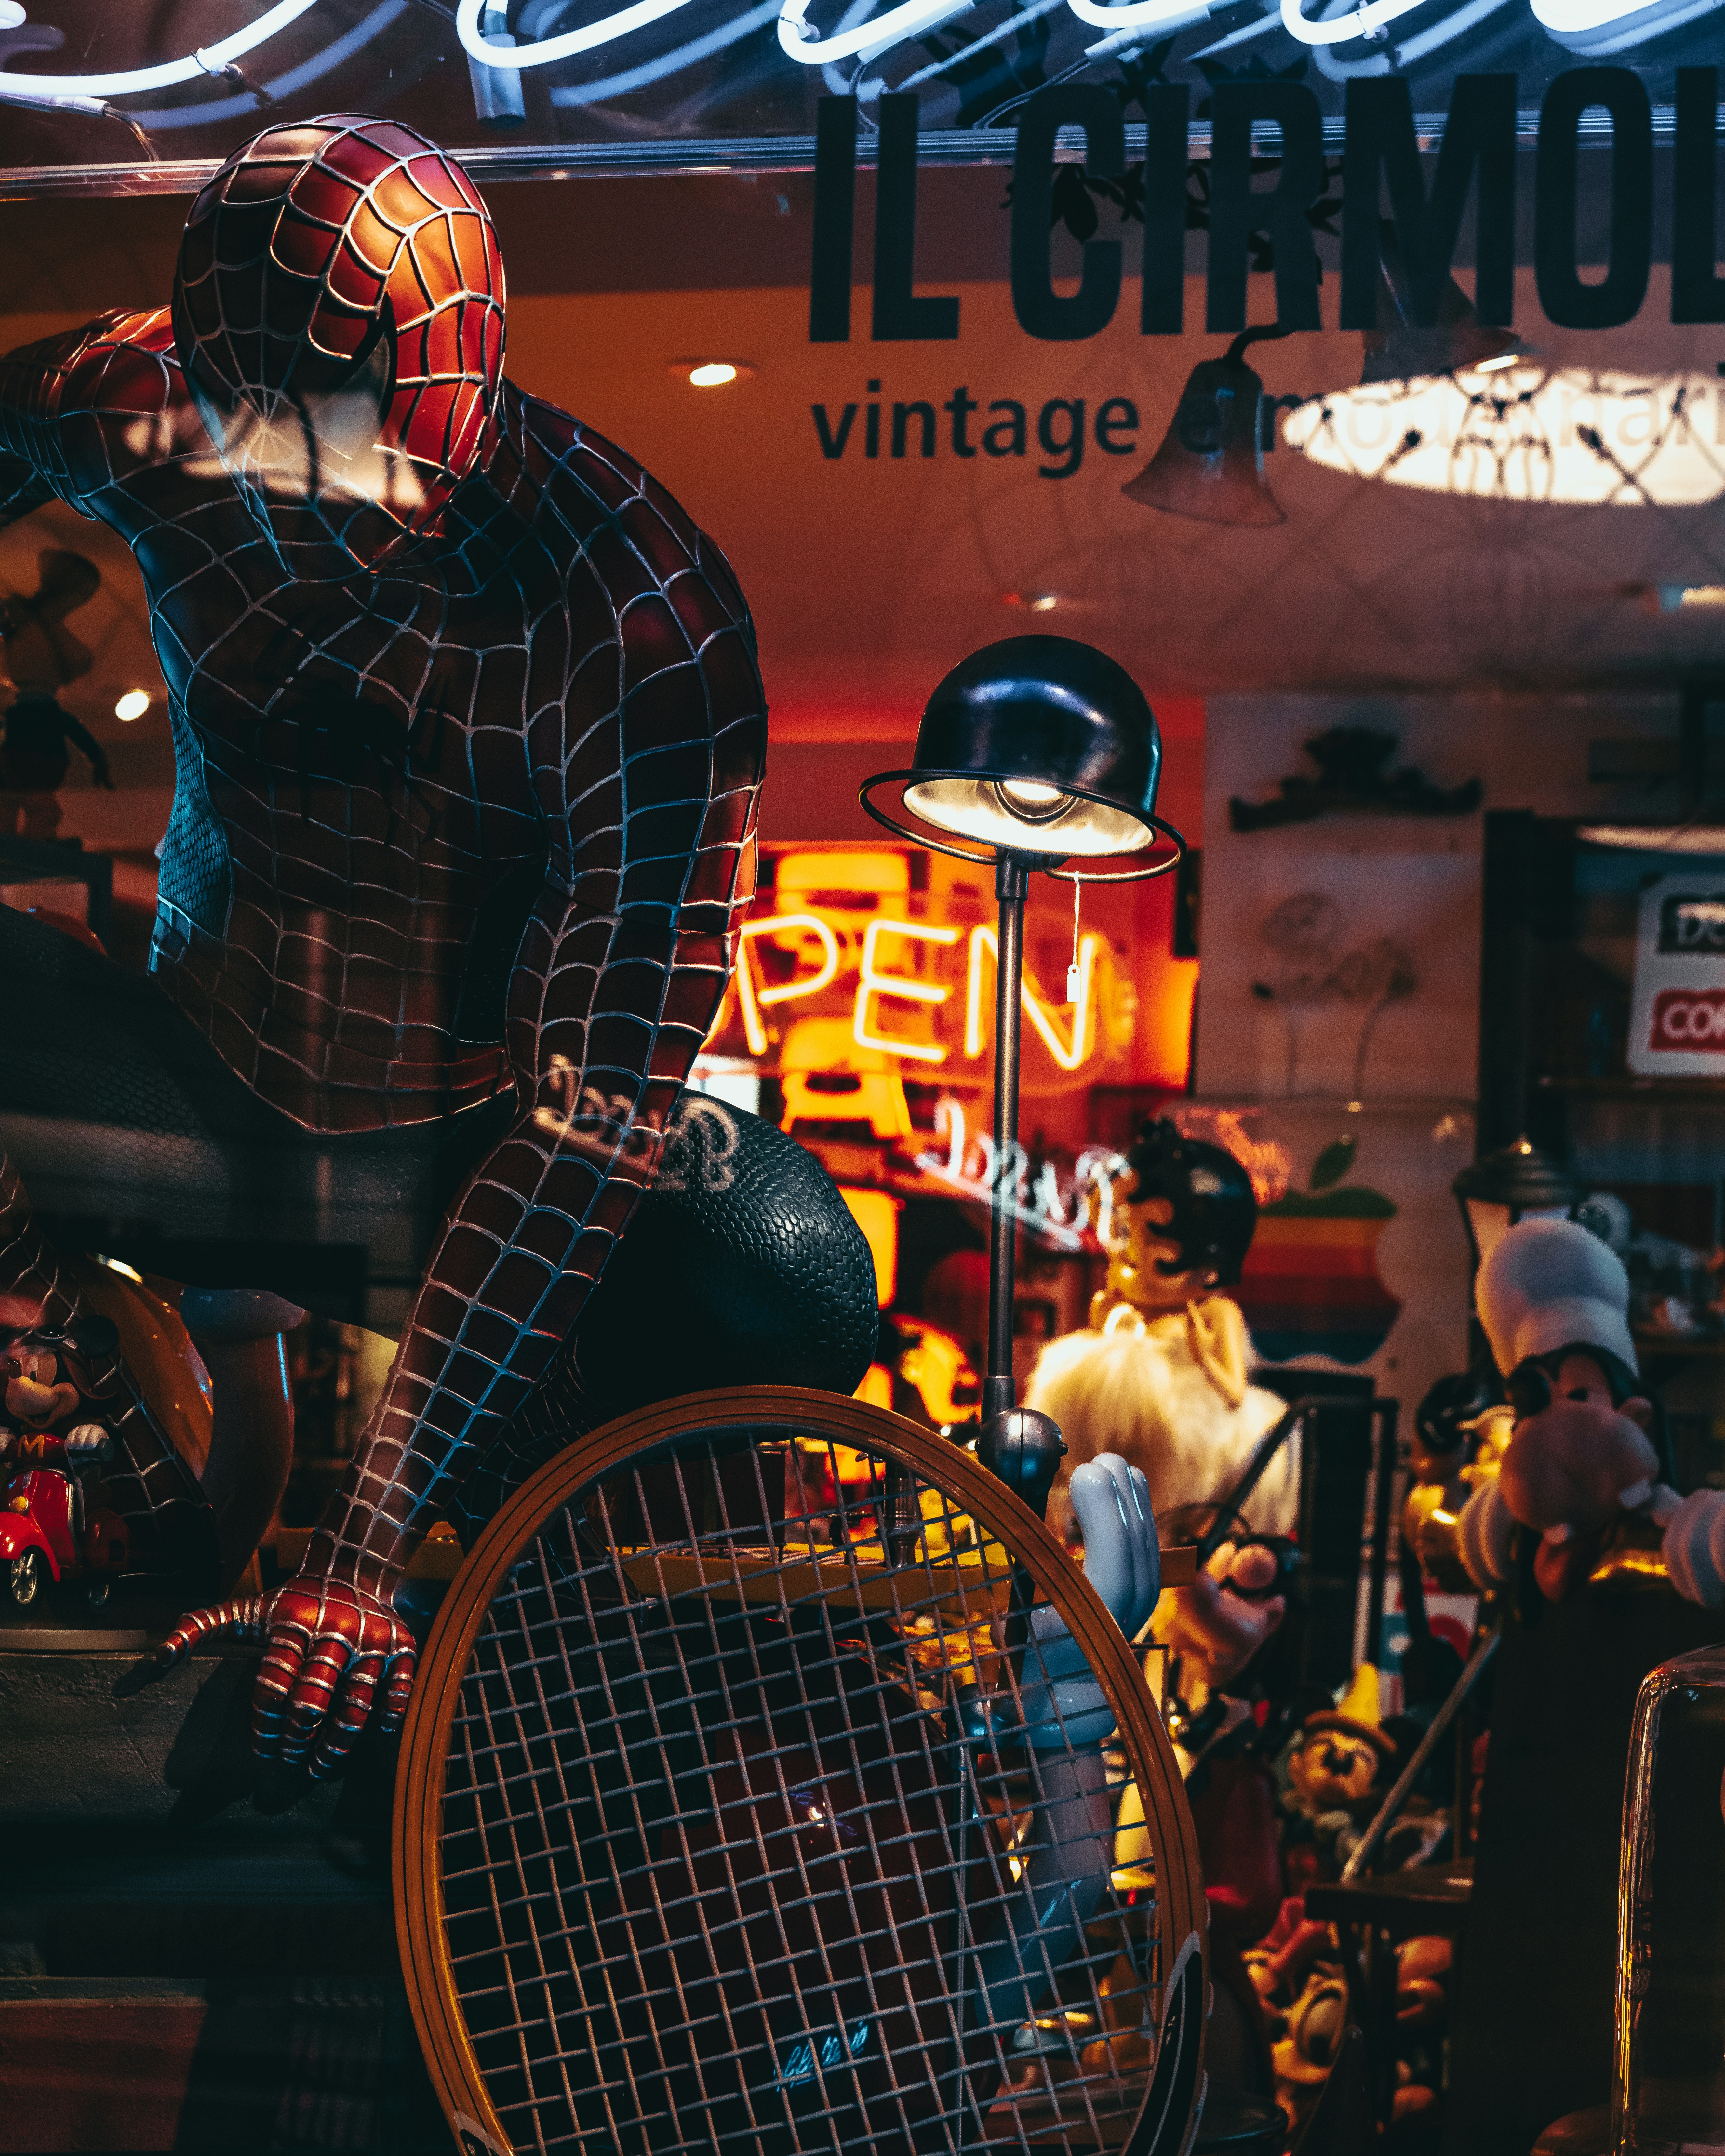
(580, 469)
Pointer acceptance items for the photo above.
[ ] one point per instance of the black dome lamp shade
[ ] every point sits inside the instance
(1042, 748)
(1037, 752)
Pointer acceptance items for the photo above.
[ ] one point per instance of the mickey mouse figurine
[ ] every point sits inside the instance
(36, 1395)
(1553, 1300)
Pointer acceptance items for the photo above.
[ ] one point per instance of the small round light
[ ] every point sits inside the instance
(710, 373)
(132, 705)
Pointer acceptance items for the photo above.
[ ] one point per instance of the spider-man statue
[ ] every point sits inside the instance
(469, 731)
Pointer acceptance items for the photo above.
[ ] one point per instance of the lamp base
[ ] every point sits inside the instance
(1023, 1447)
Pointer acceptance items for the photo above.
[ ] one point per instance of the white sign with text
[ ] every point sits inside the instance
(1677, 1011)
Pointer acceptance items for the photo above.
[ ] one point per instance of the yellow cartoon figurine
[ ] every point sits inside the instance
(1332, 1770)
(1161, 1374)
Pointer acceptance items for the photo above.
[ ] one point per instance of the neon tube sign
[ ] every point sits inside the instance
(1056, 1207)
(882, 978)
(872, 982)
(208, 59)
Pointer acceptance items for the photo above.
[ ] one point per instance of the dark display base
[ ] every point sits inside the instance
(178, 1972)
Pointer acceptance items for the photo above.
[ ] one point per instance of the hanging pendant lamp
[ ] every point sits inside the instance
(1211, 462)
(1457, 342)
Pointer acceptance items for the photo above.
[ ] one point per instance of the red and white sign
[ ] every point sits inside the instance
(1677, 1011)
(1688, 1021)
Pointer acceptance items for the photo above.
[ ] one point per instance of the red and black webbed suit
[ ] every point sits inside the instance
(469, 730)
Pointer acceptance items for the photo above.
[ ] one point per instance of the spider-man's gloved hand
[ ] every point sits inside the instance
(1063, 1704)
(330, 1650)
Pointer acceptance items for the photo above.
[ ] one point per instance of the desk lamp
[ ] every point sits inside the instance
(1037, 753)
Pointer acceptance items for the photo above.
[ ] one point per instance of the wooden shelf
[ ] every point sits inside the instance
(1672, 1092)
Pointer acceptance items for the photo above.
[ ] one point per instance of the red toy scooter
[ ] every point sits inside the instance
(47, 1533)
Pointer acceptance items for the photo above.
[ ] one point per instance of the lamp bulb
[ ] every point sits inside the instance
(1031, 800)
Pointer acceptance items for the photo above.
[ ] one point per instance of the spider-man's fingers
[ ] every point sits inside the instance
(398, 1690)
(315, 1687)
(273, 1690)
(244, 1617)
(347, 1716)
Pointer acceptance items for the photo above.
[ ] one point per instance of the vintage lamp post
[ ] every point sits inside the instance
(1035, 753)
(1516, 1182)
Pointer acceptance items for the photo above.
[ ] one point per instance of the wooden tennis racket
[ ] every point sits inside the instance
(718, 1828)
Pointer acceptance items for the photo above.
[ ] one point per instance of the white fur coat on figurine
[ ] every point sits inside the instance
(1141, 1391)
(1162, 1374)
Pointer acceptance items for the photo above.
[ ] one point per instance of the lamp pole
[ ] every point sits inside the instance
(1012, 879)
(1023, 1447)
(1032, 752)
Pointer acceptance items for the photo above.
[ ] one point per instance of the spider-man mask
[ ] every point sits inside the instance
(338, 314)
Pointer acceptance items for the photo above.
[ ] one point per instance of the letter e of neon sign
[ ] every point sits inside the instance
(872, 981)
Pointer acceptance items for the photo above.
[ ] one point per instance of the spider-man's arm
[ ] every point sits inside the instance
(69, 409)
(33, 462)
(646, 767)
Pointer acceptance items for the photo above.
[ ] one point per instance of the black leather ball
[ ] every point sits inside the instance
(742, 1265)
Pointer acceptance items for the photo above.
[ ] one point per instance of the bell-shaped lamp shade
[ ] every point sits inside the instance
(1516, 1182)
(1038, 745)
(1211, 462)
(1457, 342)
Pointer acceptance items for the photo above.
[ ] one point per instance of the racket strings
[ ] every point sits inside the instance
(729, 1853)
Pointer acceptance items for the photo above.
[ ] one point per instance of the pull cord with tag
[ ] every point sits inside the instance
(1075, 976)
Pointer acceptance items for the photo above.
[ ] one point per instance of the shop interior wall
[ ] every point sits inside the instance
(1296, 924)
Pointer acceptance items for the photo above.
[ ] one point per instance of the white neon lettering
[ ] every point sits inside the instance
(1362, 22)
(798, 38)
(815, 925)
(751, 999)
(208, 60)
(871, 983)
(547, 49)
(1043, 1214)
(1582, 20)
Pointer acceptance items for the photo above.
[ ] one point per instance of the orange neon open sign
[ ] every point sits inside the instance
(886, 949)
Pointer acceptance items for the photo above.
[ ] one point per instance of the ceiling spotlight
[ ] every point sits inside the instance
(712, 373)
(132, 705)
(1031, 602)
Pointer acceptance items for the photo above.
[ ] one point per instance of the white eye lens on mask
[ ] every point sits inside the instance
(349, 420)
